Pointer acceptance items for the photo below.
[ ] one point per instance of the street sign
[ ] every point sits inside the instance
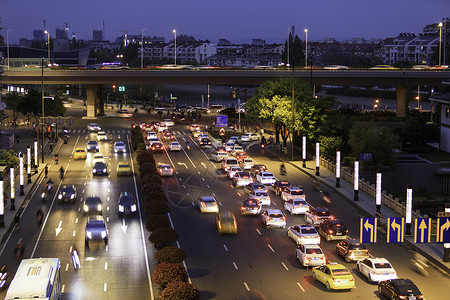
(422, 230)
(70, 121)
(222, 131)
(368, 230)
(395, 230)
(222, 121)
(443, 230)
(443, 214)
(59, 120)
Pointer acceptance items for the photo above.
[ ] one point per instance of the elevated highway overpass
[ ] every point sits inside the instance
(94, 80)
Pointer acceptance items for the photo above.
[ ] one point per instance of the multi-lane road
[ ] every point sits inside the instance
(221, 266)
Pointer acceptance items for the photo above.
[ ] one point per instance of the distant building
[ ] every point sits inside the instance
(185, 52)
(39, 35)
(410, 48)
(97, 35)
(246, 61)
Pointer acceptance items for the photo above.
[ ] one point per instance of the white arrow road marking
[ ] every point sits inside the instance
(124, 227)
(182, 164)
(204, 165)
(58, 230)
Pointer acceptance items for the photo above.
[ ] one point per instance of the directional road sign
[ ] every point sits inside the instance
(422, 230)
(395, 230)
(222, 121)
(368, 232)
(443, 230)
(222, 131)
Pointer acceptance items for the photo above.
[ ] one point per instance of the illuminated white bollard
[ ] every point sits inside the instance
(356, 180)
(317, 159)
(21, 174)
(378, 192)
(29, 163)
(304, 151)
(408, 219)
(2, 203)
(13, 188)
(338, 168)
(36, 160)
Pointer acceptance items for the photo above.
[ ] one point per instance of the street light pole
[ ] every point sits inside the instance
(43, 116)
(48, 44)
(289, 37)
(142, 47)
(7, 44)
(440, 42)
(306, 48)
(175, 32)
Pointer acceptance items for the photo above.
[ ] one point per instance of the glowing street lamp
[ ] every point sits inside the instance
(440, 42)
(175, 33)
(306, 48)
(142, 47)
(48, 44)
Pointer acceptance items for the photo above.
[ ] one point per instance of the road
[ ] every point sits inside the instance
(221, 266)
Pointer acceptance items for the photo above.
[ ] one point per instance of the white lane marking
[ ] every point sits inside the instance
(239, 194)
(107, 198)
(74, 233)
(226, 249)
(79, 208)
(70, 249)
(107, 219)
(198, 172)
(67, 267)
(268, 245)
(82, 192)
(258, 231)
(220, 203)
(300, 286)
(235, 266)
(203, 179)
(203, 164)
(107, 248)
(62, 288)
(183, 185)
(106, 266)
(208, 186)
(285, 266)
(246, 286)
(213, 193)
(109, 190)
(76, 221)
(107, 208)
(105, 286)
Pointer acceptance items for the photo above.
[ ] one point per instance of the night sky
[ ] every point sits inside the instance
(236, 20)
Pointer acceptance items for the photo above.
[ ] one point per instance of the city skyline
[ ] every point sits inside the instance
(236, 21)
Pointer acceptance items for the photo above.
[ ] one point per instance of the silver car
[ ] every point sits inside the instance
(260, 195)
(96, 229)
(241, 179)
(310, 255)
(273, 218)
(304, 234)
(120, 146)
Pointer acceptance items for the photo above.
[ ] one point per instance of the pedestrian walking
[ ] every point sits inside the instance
(17, 139)
(46, 171)
(16, 220)
(51, 147)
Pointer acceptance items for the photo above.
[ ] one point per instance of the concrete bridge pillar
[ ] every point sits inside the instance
(401, 100)
(94, 103)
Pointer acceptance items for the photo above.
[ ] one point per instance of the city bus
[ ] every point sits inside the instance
(36, 278)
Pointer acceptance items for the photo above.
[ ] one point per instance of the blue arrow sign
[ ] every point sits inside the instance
(422, 230)
(395, 230)
(222, 121)
(368, 230)
(443, 230)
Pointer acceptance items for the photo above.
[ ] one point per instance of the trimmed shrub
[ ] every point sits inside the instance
(157, 195)
(170, 254)
(143, 154)
(151, 178)
(156, 207)
(147, 168)
(162, 237)
(151, 188)
(157, 221)
(169, 272)
(179, 290)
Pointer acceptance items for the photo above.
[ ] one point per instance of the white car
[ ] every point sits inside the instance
(98, 158)
(273, 218)
(233, 139)
(101, 136)
(292, 192)
(120, 146)
(194, 127)
(376, 269)
(174, 146)
(93, 127)
(202, 136)
(304, 234)
(208, 204)
(310, 255)
(249, 137)
(168, 122)
(153, 140)
(151, 134)
(164, 169)
(162, 127)
(260, 195)
(296, 206)
(229, 146)
(247, 163)
(229, 162)
(218, 156)
(124, 113)
(265, 178)
(241, 179)
(232, 171)
(236, 149)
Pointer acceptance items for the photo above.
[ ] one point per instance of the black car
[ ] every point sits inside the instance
(399, 289)
(67, 193)
(100, 168)
(93, 205)
(250, 207)
(157, 147)
(254, 186)
(352, 250)
(127, 204)
(333, 230)
(279, 186)
(205, 143)
(256, 169)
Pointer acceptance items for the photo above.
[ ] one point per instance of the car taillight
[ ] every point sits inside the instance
(242, 208)
(352, 279)
(330, 231)
(203, 204)
(331, 218)
(316, 218)
(367, 251)
(269, 218)
(283, 218)
(349, 251)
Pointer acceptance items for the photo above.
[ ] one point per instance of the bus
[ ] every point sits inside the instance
(36, 278)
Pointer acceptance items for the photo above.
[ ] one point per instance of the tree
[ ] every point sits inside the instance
(1, 37)
(156, 207)
(168, 272)
(381, 141)
(180, 290)
(296, 54)
(170, 254)
(162, 237)
(9, 158)
(13, 101)
(157, 221)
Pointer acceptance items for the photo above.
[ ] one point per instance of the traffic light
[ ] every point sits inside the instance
(234, 94)
(114, 87)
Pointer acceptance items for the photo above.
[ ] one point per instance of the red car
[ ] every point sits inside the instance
(240, 155)
(157, 147)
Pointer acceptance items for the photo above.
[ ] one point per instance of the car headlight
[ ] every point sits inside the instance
(103, 234)
(115, 149)
(133, 207)
(104, 170)
(99, 207)
(121, 208)
(89, 234)
(86, 208)
(59, 196)
(72, 196)
(94, 170)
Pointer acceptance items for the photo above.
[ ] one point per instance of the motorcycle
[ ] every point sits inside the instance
(282, 170)
(76, 259)
(420, 266)
(66, 139)
(188, 146)
(19, 249)
(43, 194)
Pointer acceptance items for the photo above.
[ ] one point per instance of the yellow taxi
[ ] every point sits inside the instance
(335, 276)
(196, 133)
(123, 169)
(226, 223)
(80, 153)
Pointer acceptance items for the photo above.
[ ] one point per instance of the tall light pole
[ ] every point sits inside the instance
(7, 44)
(43, 111)
(48, 44)
(289, 37)
(440, 42)
(175, 33)
(306, 48)
(142, 47)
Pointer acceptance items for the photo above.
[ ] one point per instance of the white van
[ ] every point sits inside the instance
(216, 108)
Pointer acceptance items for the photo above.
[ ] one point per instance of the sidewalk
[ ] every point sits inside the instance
(432, 251)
